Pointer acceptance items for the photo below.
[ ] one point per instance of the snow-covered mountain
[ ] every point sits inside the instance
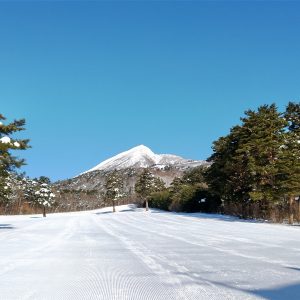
(143, 157)
(129, 165)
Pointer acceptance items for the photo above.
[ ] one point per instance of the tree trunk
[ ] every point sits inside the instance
(291, 213)
(20, 206)
(114, 207)
(44, 211)
(147, 206)
(298, 210)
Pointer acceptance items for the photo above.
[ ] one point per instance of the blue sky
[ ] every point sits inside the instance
(96, 78)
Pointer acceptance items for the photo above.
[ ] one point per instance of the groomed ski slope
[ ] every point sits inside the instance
(137, 255)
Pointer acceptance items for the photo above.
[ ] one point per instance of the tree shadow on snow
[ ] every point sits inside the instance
(215, 217)
(131, 207)
(283, 292)
(6, 226)
(291, 292)
(294, 268)
(126, 210)
(110, 212)
(104, 213)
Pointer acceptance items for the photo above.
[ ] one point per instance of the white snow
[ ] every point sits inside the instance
(16, 144)
(5, 140)
(140, 156)
(137, 255)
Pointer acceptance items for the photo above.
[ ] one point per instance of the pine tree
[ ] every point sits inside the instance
(175, 185)
(260, 144)
(114, 187)
(29, 187)
(146, 184)
(8, 162)
(44, 197)
(195, 176)
(245, 163)
(225, 176)
(289, 159)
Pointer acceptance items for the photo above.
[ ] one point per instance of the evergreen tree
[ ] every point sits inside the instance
(226, 176)
(195, 176)
(186, 192)
(262, 141)
(29, 188)
(43, 179)
(175, 185)
(289, 159)
(147, 184)
(114, 187)
(8, 162)
(44, 197)
(245, 163)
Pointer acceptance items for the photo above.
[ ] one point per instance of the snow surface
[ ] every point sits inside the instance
(140, 156)
(137, 255)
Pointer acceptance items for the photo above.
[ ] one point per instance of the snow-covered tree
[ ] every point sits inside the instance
(44, 197)
(114, 187)
(8, 162)
(11, 194)
(147, 184)
(29, 188)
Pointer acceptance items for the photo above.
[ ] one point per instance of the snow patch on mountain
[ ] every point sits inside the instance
(141, 157)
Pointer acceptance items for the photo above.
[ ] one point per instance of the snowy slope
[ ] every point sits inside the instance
(141, 157)
(133, 255)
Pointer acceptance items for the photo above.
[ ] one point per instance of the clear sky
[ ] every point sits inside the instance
(96, 78)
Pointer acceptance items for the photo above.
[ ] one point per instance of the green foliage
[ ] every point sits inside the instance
(160, 200)
(114, 186)
(289, 158)
(147, 184)
(8, 162)
(187, 194)
(43, 179)
(259, 159)
(194, 176)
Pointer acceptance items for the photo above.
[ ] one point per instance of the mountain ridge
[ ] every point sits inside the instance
(88, 188)
(141, 157)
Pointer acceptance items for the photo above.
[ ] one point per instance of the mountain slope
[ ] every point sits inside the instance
(142, 157)
(88, 189)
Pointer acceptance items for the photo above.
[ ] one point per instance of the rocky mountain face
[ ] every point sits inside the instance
(129, 165)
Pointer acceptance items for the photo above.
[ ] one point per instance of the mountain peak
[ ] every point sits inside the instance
(139, 157)
(140, 148)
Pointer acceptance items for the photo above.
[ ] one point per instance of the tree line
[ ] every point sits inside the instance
(254, 170)
(16, 190)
